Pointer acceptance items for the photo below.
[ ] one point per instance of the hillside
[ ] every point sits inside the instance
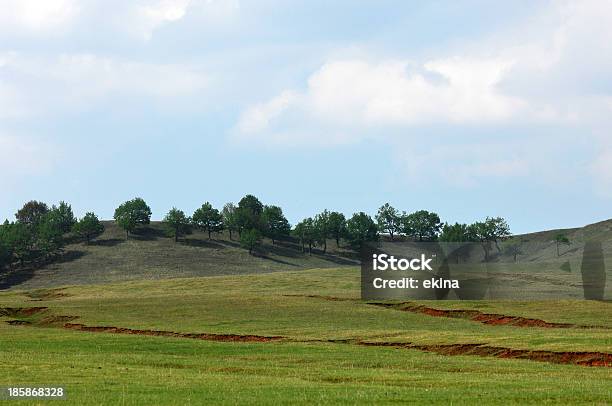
(151, 254)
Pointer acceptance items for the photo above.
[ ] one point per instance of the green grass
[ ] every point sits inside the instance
(115, 369)
(302, 368)
(261, 305)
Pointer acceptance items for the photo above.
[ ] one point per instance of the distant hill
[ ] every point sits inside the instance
(151, 254)
(540, 246)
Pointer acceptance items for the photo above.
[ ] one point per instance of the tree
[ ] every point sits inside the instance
(230, 219)
(305, 231)
(493, 229)
(388, 220)
(250, 239)
(275, 224)
(498, 228)
(5, 255)
(513, 248)
(31, 212)
(322, 229)
(5, 248)
(361, 229)
(19, 239)
(455, 233)
(422, 225)
(132, 214)
(248, 214)
(49, 234)
(208, 218)
(65, 217)
(88, 227)
(561, 239)
(177, 223)
(481, 234)
(337, 226)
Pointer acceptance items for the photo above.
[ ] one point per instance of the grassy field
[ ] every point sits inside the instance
(330, 346)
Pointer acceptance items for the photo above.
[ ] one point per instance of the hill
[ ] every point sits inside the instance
(151, 254)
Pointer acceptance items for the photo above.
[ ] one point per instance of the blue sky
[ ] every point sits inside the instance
(469, 108)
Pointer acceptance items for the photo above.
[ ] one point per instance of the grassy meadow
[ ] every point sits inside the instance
(148, 321)
(321, 357)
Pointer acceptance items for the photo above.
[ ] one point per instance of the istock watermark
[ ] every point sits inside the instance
(484, 270)
(383, 262)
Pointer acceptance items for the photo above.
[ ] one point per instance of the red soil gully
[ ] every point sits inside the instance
(474, 315)
(595, 359)
(591, 359)
(478, 316)
(197, 336)
(20, 311)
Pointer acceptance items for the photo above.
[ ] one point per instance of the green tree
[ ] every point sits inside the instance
(561, 239)
(5, 255)
(250, 239)
(492, 230)
(208, 218)
(88, 227)
(389, 220)
(306, 233)
(322, 229)
(361, 229)
(275, 223)
(422, 225)
(230, 219)
(337, 226)
(455, 233)
(31, 212)
(49, 235)
(5, 248)
(132, 214)
(19, 239)
(65, 216)
(248, 214)
(481, 234)
(177, 223)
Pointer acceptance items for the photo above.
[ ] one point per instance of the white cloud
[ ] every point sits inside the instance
(464, 165)
(354, 94)
(78, 81)
(258, 117)
(37, 15)
(388, 93)
(100, 75)
(144, 17)
(137, 18)
(553, 71)
(152, 15)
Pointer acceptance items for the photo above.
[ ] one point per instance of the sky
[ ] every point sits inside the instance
(467, 108)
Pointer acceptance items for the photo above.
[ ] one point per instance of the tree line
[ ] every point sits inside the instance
(39, 232)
